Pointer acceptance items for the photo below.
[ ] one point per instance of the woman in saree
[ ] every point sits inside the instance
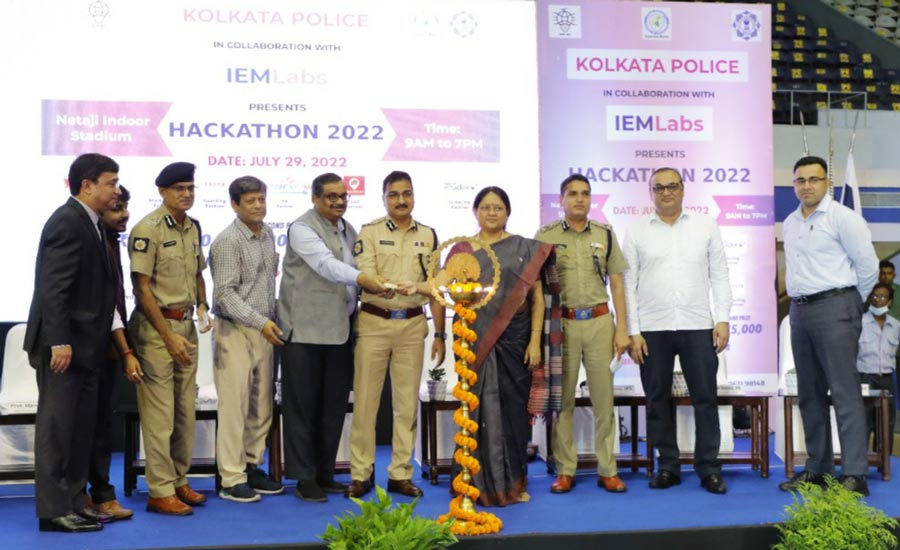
(508, 349)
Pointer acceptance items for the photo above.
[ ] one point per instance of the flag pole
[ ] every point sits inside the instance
(803, 131)
(830, 152)
(853, 135)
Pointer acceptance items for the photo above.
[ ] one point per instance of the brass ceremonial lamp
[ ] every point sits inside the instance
(467, 294)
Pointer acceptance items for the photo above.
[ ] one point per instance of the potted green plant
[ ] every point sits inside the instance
(379, 526)
(832, 518)
(437, 386)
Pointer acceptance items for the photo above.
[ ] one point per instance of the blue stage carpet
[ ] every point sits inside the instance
(285, 519)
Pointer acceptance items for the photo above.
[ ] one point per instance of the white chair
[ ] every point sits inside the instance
(18, 405)
(684, 416)
(18, 385)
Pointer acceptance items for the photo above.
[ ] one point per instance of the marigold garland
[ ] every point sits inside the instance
(467, 523)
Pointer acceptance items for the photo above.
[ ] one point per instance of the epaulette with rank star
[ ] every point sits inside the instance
(553, 225)
(376, 221)
(606, 226)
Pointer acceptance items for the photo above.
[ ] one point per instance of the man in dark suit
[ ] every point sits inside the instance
(69, 326)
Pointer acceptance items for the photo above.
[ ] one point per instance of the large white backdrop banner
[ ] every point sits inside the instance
(627, 87)
(283, 90)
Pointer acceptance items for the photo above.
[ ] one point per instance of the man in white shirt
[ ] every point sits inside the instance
(675, 259)
(830, 267)
(878, 345)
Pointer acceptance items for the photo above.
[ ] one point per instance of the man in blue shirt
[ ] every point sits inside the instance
(830, 266)
(878, 349)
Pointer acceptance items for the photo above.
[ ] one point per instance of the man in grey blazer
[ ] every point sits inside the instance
(316, 307)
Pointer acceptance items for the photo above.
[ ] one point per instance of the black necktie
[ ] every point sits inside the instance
(103, 242)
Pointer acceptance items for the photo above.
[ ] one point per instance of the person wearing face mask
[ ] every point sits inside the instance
(878, 344)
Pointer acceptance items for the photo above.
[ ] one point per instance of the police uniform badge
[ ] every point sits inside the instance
(140, 244)
(357, 248)
(170, 221)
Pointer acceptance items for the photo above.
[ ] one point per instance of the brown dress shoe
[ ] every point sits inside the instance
(404, 487)
(170, 506)
(189, 496)
(563, 484)
(357, 489)
(114, 509)
(612, 484)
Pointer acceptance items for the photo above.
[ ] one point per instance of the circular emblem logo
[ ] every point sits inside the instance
(746, 25)
(656, 22)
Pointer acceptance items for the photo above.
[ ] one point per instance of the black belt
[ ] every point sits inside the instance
(392, 313)
(800, 300)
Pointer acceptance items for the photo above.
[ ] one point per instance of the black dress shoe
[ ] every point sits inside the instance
(665, 479)
(803, 477)
(72, 523)
(310, 491)
(714, 484)
(332, 486)
(855, 484)
(94, 515)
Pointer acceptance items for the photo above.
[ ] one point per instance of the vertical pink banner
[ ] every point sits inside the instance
(628, 87)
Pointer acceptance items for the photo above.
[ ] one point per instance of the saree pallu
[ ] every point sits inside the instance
(504, 380)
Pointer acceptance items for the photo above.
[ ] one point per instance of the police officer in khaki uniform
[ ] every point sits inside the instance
(391, 332)
(587, 253)
(166, 268)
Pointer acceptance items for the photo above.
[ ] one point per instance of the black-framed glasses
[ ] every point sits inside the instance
(334, 197)
(880, 298)
(671, 188)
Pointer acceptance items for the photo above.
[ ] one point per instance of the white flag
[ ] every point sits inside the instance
(850, 191)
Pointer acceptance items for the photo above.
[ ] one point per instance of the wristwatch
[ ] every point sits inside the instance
(441, 335)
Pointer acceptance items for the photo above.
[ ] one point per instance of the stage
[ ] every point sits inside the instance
(685, 516)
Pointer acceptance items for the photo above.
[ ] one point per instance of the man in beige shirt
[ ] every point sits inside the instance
(587, 254)
(167, 275)
(391, 333)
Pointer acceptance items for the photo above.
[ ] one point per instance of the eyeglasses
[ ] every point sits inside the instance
(812, 181)
(671, 188)
(334, 197)
(394, 195)
(491, 208)
(880, 298)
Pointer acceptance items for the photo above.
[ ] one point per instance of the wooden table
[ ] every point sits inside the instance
(276, 459)
(135, 467)
(633, 460)
(432, 466)
(881, 457)
(758, 457)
